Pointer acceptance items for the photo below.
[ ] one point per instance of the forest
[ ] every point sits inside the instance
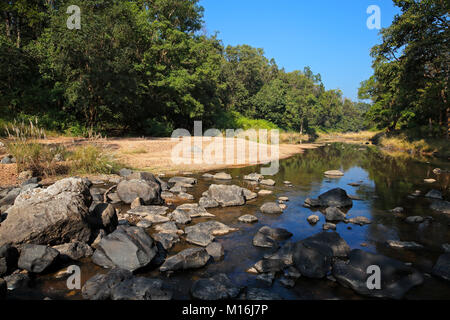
(140, 67)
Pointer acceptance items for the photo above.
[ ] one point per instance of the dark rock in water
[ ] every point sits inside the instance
(218, 287)
(8, 259)
(139, 288)
(191, 258)
(180, 216)
(36, 258)
(261, 294)
(269, 265)
(3, 289)
(442, 267)
(199, 238)
(100, 286)
(148, 191)
(271, 208)
(266, 278)
(329, 226)
(167, 240)
(17, 280)
(129, 248)
(414, 219)
(396, 277)
(267, 237)
(292, 273)
(404, 245)
(313, 255)
(334, 198)
(287, 282)
(226, 195)
(215, 250)
(334, 214)
(434, 194)
(53, 216)
(104, 216)
(313, 219)
(359, 221)
(441, 206)
(74, 251)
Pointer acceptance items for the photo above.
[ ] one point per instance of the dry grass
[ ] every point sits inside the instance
(361, 136)
(424, 147)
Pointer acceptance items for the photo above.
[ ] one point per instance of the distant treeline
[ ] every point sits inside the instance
(148, 67)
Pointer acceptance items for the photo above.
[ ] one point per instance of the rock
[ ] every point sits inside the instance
(264, 192)
(140, 288)
(218, 287)
(267, 237)
(208, 176)
(284, 254)
(25, 175)
(354, 184)
(212, 227)
(155, 219)
(226, 195)
(54, 215)
(404, 245)
(180, 216)
(429, 180)
(414, 219)
(168, 227)
(334, 214)
(334, 198)
(288, 283)
(282, 206)
(167, 240)
(271, 208)
(329, 226)
(137, 203)
(3, 289)
(8, 259)
(267, 182)
(283, 198)
(222, 176)
(114, 198)
(446, 247)
(266, 278)
(396, 277)
(397, 210)
(17, 280)
(254, 177)
(248, 218)
(287, 182)
(177, 188)
(97, 194)
(434, 194)
(74, 250)
(6, 160)
(99, 235)
(334, 173)
(269, 265)
(144, 224)
(208, 203)
(313, 256)
(216, 251)
(359, 221)
(128, 248)
(191, 258)
(104, 216)
(199, 238)
(183, 180)
(441, 206)
(185, 196)
(124, 172)
(292, 273)
(313, 219)
(100, 286)
(442, 267)
(148, 191)
(261, 294)
(167, 195)
(36, 258)
(195, 210)
(249, 195)
(144, 211)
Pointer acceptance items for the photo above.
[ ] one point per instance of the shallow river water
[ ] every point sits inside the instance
(386, 183)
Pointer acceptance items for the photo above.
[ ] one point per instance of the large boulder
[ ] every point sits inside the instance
(396, 277)
(149, 191)
(212, 227)
(218, 287)
(104, 216)
(128, 248)
(191, 258)
(183, 180)
(271, 208)
(140, 288)
(36, 258)
(100, 286)
(55, 215)
(8, 259)
(313, 256)
(267, 237)
(442, 267)
(227, 196)
(333, 198)
(74, 250)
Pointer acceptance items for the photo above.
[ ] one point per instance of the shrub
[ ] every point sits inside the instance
(92, 159)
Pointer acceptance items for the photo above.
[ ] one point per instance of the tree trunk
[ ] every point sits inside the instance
(18, 33)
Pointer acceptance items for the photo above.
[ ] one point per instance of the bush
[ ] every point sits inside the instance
(92, 159)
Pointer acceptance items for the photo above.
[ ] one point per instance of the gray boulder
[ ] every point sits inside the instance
(104, 216)
(334, 214)
(396, 277)
(148, 191)
(17, 280)
(267, 237)
(206, 202)
(74, 250)
(100, 286)
(442, 267)
(58, 214)
(216, 251)
(267, 182)
(140, 288)
(333, 198)
(191, 258)
(248, 218)
(183, 180)
(254, 177)
(36, 258)
(359, 221)
(218, 287)
(441, 206)
(199, 238)
(212, 227)
(434, 194)
(222, 176)
(167, 240)
(271, 208)
(180, 216)
(227, 196)
(128, 248)
(8, 259)
(8, 196)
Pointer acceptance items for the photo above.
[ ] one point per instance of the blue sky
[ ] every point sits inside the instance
(330, 36)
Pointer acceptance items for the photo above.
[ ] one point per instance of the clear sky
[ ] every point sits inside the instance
(330, 36)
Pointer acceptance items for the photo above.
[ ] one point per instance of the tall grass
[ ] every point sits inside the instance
(90, 159)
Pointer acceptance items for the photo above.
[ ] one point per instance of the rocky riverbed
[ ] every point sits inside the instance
(310, 232)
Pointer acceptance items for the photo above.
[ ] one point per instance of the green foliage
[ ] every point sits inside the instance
(92, 159)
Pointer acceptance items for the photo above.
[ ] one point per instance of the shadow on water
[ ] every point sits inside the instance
(385, 183)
